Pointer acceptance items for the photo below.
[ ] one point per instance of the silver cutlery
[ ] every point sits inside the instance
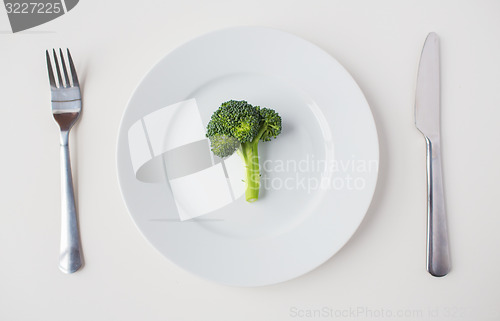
(66, 107)
(427, 120)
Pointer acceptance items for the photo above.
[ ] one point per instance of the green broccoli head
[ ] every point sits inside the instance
(271, 121)
(237, 119)
(223, 145)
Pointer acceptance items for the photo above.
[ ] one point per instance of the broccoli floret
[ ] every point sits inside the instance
(239, 126)
(223, 145)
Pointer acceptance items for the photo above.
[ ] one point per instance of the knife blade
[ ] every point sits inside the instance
(427, 120)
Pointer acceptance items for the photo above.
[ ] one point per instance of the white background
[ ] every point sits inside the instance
(380, 273)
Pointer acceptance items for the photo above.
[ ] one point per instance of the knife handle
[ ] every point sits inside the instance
(438, 253)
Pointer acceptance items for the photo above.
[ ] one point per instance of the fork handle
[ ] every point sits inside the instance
(70, 257)
(438, 252)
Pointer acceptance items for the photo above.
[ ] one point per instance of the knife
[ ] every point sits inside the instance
(427, 120)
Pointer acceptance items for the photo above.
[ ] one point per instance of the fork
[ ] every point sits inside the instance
(66, 107)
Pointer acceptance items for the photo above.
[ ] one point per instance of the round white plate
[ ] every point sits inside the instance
(318, 176)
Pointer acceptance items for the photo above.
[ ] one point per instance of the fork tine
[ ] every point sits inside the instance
(51, 72)
(64, 68)
(56, 62)
(73, 70)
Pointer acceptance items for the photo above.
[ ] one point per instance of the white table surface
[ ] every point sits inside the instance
(380, 274)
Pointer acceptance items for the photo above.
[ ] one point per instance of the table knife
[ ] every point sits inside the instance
(427, 120)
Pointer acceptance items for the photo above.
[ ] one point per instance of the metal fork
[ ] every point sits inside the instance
(66, 108)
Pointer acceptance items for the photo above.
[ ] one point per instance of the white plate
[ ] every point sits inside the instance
(328, 136)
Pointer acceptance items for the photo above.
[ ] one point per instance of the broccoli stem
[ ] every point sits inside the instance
(250, 154)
